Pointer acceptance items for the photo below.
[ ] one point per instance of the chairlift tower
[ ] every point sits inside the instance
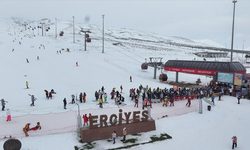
(155, 62)
(85, 31)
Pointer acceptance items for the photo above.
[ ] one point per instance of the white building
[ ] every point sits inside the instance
(211, 54)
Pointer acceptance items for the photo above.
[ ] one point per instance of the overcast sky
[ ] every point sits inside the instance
(192, 19)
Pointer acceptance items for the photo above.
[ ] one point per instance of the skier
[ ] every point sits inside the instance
(64, 103)
(105, 97)
(239, 96)
(136, 102)
(85, 119)
(46, 94)
(112, 95)
(130, 78)
(27, 60)
(27, 84)
(102, 88)
(171, 102)
(32, 100)
(165, 104)
(73, 98)
(8, 115)
(50, 95)
(80, 97)
(100, 103)
(26, 129)
(189, 101)
(96, 95)
(84, 97)
(212, 98)
(121, 88)
(234, 138)
(38, 126)
(3, 104)
(220, 96)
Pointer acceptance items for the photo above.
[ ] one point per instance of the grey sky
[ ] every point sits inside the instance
(192, 19)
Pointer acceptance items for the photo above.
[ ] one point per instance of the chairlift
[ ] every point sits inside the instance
(163, 77)
(61, 33)
(87, 35)
(88, 40)
(144, 66)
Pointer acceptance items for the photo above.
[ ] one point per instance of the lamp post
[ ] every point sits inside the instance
(73, 29)
(242, 50)
(234, 1)
(79, 121)
(55, 28)
(102, 33)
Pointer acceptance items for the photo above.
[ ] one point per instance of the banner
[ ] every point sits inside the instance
(247, 77)
(225, 77)
(237, 79)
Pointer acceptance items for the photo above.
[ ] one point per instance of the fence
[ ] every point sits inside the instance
(65, 122)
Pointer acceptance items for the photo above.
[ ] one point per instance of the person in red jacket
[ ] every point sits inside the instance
(38, 126)
(85, 120)
(171, 102)
(189, 101)
(136, 102)
(234, 138)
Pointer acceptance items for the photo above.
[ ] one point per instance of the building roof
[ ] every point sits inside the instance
(207, 65)
(210, 53)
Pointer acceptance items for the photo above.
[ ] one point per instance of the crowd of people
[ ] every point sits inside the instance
(144, 94)
(82, 99)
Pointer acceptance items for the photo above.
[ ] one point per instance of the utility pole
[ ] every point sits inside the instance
(234, 1)
(102, 33)
(25, 25)
(242, 51)
(42, 27)
(156, 63)
(79, 121)
(85, 31)
(38, 29)
(73, 29)
(55, 28)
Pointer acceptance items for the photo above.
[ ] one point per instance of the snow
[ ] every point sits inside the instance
(189, 129)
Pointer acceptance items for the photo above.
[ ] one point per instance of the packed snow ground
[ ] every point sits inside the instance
(194, 131)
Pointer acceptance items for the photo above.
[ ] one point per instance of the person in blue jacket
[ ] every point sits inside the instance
(212, 98)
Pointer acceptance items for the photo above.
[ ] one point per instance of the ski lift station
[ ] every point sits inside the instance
(209, 68)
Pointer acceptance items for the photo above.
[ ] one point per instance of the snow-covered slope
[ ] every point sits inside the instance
(124, 52)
